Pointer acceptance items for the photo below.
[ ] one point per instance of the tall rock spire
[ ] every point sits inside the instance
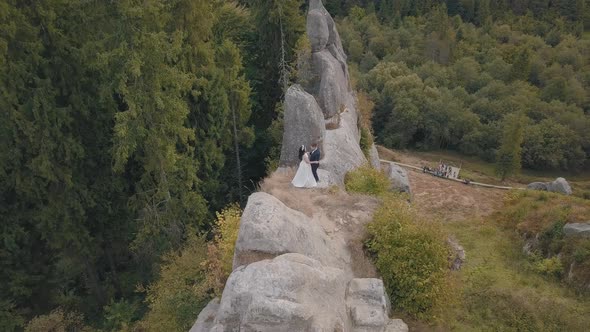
(289, 273)
(328, 94)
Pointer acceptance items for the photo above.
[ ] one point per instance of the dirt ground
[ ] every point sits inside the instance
(443, 199)
(449, 200)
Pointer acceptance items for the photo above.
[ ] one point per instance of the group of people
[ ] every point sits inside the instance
(443, 170)
(307, 173)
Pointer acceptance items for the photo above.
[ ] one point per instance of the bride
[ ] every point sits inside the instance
(304, 177)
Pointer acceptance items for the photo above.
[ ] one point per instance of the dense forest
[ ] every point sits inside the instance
(452, 76)
(125, 125)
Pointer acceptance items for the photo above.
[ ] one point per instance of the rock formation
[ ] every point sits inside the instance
(374, 157)
(289, 272)
(305, 124)
(560, 185)
(577, 229)
(328, 60)
(291, 292)
(268, 229)
(398, 177)
(330, 88)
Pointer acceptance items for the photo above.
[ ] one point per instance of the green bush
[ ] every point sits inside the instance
(367, 180)
(366, 141)
(412, 257)
(178, 295)
(58, 321)
(190, 278)
(550, 266)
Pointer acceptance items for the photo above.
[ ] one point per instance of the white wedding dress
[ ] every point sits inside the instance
(304, 177)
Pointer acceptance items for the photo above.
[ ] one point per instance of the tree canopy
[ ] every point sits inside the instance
(443, 79)
(125, 126)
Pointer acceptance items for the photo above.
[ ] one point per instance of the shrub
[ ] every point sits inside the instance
(367, 180)
(366, 141)
(179, 293)
(220, 253)
(58, 321)
(550, 266)
(411, 256)
(9, 319)
(189, 278)
(119, 315)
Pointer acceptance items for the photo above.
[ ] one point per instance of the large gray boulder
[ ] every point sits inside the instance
(560, 185)
(342, 152)
(369, 306)
(399, 179)
(206, 317)
(293, 293)
(328, 61)
(303, 124)
(318, 31)
(289, 293)
(577, 229)
(396, 325)
(333, 84)
(269, 228)
(374, 157)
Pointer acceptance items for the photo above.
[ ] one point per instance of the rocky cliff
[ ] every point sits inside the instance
(297, 268)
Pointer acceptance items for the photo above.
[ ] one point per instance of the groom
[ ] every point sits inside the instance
(314, 158)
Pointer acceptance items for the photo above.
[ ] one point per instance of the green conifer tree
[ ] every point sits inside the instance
(509, 154)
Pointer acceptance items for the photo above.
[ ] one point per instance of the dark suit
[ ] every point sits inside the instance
(315, 156)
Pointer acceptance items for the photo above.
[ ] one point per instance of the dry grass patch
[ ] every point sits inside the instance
(387, 154)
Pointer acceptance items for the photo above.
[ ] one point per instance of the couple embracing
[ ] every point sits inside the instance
(307, 173)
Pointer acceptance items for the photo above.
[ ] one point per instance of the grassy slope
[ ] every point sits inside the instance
(501, 292)
(497, 289)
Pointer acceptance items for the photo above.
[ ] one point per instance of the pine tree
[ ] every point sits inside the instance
(274, 21)
(521, 67)
(509, 154)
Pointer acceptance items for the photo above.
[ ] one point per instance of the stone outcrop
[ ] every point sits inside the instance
(206, 317)
(290, 271)
(268, 229)
(560, 185)
(328, 60)
(304, 124)
(398, 177)
(374, 157)
(342, 152)
(577, 229)
(458, 254)
(329, 86)
(291, 292)
(367, 304)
